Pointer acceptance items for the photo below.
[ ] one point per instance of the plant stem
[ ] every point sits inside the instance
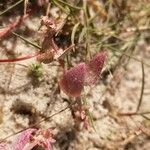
(74, 30)
(133, 113)
(37, 123)
(18, 59)
(142, 87)
(67, 11)
(74, 7)
(11, 7)
(146, 64)
(27, 41)
(86, 24)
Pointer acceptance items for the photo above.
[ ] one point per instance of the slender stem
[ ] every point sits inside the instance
(146, 117)
(67, 50)
(48, 9)
(133, 113)
(74, 30)
(148, 65)
(89, 113)
(74, 7)
(18, 59)
(26, 40)
(37, 123)
(25, 6)
(86, 24)
(62, 8)
(11, 7)
(142, 87)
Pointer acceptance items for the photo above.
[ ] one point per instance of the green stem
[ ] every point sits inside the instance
(146, 117)
(87, 29)
(88, 112)
(62, 8)
(74, 30)
(146, 64)
(74, 7)
(27, 41)
(11, 7)
(142, 87)
(134, 113)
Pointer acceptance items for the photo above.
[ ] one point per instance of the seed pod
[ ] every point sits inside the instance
(94, 68)
(72, 81)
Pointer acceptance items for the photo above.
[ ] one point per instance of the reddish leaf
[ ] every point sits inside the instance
(73, 80)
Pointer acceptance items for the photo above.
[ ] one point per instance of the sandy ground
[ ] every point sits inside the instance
(24, 102)
(119, 92)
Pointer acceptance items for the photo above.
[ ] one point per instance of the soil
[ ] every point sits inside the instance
(25, 101)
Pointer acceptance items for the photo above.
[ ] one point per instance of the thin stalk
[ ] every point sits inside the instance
(62, 8)
(147, 118)
(133, 113)
(74, 7)
(11, 7)
(87, 28)
(146, 64)
(34, 125)
(88, 113)
(100, 11)
(27, 41)
(67, 50)
(74, 30)
(68, 61)
(48, 9)
(142, 87)
(25, 6)
(18, 59)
